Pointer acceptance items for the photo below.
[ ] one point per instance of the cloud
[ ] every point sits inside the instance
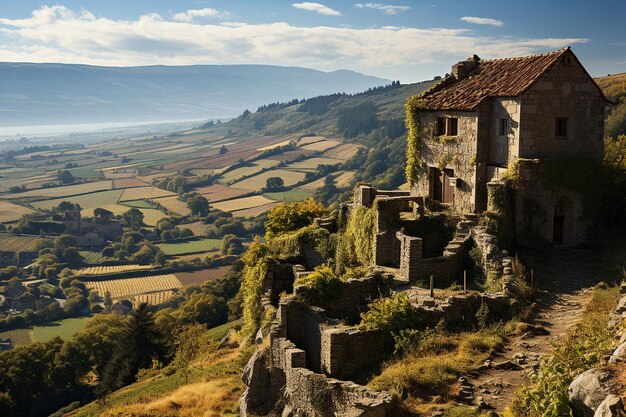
(482, 21)
(317, 8)
(189, 15)
(385, 8)
(58, 34)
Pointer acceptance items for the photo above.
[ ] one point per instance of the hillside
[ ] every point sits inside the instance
(614, 86)
(61, 93)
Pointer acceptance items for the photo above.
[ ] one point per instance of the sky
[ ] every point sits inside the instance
(406, 40)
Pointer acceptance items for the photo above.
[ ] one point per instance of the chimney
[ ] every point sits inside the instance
(462, 69)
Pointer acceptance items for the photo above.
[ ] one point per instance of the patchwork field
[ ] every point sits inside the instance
(254, 211)
(174, 205)
(67, 190)
(153, 298)
(201, 276)
(242, 203)
(296, 194)
(321, 145)
(128, 183)
(18, 243)
(94, 258)
(130, 287)
(10, 212)
(253, 168)
(111, 269)
(344, 151)
(140, 193)
(86, 201)
(191, 246)
(217, 192)
(152, 216)
(259, 181)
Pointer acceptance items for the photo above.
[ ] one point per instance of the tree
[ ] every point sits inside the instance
(287, 217)
(274, 183)
(133, 218)
(102, 213)
(140, 344)
(223, 150)
(198, 205)
(65, 177)
(66, 206)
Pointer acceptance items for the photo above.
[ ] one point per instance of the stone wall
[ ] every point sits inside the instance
(456, 153)
(503, 148)
(567, 91)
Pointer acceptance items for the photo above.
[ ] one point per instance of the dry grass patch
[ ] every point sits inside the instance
(321, 145)
(68, 190)
(260, 181)
(254, 211)
(174, 205)
(217, 192)
(141, 193)
(344, 151)
(128, 183)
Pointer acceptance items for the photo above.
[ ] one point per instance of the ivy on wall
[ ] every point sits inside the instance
(414, 141)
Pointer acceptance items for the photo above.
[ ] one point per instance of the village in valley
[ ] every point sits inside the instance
(450, 247)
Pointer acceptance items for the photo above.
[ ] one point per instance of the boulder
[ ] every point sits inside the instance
(256, 376)
(612, 406)
(587, 391)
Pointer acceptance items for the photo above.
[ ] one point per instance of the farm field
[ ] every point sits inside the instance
(259, 181)
(130, 287)
(242, 203)
(20, 337)
(139, 204)
(63, 191)
(151, 216)
(86, 201)
(217, 192)
(296, 194)
(65, 329)
(321, 145)
(18, 243)
(312, 163)
(191, 246)
(174, 205)
(110, 269)
(198, 228)
(140, 193)
(253, 168)
(10, 212)
(153, 298)
(344, 151)
(254, 211)
(128, 183)
(201, 276)
(94, 258)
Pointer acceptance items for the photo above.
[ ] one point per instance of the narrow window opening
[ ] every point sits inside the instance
(560, 128)
(441, 126)
(503, 127)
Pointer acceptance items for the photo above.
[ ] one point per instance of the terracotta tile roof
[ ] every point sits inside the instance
(507, 77)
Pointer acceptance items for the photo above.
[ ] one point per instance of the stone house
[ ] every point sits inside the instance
(488, 113)
(91, 232)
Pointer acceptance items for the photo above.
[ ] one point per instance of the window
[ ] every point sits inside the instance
(453, 126)
(503, 127)
(441, 126)
(560, 128)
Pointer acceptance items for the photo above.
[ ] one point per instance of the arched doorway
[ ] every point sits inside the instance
(562, 220)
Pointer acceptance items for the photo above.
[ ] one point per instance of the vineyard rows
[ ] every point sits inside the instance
(111, 269)
(13, 243)
(153, 298)
(135, 287)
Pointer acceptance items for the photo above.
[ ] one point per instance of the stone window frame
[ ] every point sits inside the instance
(452, 126)
(503, 126)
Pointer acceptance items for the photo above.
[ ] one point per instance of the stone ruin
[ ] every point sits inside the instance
(313, 351)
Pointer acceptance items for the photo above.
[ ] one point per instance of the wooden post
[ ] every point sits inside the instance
(532, 278)
(465, 281)
(432, 286)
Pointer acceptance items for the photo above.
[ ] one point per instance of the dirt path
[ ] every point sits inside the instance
(572, 274)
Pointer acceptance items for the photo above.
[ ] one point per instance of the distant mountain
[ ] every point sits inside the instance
(62, 93)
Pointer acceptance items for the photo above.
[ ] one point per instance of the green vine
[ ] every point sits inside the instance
(355, 245)
(414, 141)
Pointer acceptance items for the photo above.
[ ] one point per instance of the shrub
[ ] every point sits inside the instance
(391, 314)
(288, 217)
(355, 245)
(323, 280)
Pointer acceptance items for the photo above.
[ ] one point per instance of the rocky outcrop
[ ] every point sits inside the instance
(588, 390)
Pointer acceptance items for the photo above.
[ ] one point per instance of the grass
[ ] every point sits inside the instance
(254, 211)
(428, 373)
(139, 193)
(190, 246)
(250, 169)
(151, 216)
(295, 194)
(94, 258)
(201, 276)
(65, 329)
(139, 204)
(68, 190)
(214, 385)
(218, 333)
(174, 205)
(312, 163)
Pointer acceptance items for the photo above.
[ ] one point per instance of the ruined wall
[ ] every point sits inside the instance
(455, 153)
(564, 91)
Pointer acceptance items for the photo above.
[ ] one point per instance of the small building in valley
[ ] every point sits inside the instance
(517, 114)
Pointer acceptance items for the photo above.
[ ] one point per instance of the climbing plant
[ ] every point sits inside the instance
(414, 142)
(256, 261)
(355, 245)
